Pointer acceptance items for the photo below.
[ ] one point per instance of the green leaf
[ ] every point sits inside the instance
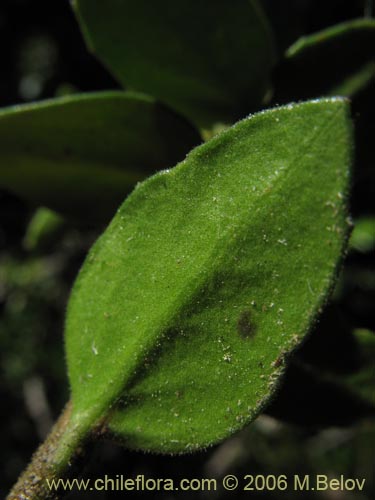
(362, 238)
(81, 155)
(185, 309)
(209, 60)
(44, 228)
(336, 61)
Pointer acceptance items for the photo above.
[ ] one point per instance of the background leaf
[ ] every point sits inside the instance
(210, 61)
(81, 155)
(362, 381)
(44, 229)
(362, 238)
(309, 16)
(339, 60)
(186, 308)
(334, 367)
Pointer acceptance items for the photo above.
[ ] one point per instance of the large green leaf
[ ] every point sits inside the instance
(339, 60)
(181, 318)
(81, 155)
(208, 60)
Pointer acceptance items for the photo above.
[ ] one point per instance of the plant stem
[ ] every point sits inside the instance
(51, 461)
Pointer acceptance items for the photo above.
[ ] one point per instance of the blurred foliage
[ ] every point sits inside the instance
(320, 422)
(343, 53)
(209, 61)
(44, 229)
(80, 155)
(363, 236)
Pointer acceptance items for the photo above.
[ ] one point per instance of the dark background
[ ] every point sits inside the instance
(313, 426)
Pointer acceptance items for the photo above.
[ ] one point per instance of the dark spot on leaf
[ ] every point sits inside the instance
(244, 325)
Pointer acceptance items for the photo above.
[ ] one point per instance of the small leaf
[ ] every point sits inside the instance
(362, 238)
(336, 61)
(44, 227)
(81, 155)
(209, 60)
(186, 308)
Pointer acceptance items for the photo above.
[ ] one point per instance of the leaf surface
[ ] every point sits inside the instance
(81, 155)
(209, 60)
(181, 318)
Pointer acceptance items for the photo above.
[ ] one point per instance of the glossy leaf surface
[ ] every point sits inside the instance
(81, 155)
(208, 60)
(208, 276)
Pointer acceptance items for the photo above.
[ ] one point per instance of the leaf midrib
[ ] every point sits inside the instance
(194, 285)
